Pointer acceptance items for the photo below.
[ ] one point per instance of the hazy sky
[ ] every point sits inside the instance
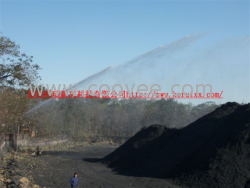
(71, 40)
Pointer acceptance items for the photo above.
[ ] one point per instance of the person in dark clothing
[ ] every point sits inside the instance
(74, 181)
(38, 151)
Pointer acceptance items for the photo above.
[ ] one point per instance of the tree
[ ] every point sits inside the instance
(17, 71)
(16, 68)
(13, 104)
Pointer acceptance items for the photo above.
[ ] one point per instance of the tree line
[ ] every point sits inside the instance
(80, 118)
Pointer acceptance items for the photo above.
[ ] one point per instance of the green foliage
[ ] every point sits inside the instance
(17, 71)
(16, 68)
(85, 118)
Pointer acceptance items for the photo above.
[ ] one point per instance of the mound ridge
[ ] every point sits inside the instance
(213, 151)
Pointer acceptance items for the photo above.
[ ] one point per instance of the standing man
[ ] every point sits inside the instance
(74, 181)
(38, 151)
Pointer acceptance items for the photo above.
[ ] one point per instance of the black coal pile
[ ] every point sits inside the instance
(214, 151)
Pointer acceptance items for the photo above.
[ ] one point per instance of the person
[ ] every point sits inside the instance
(74, 181)
(38, 151)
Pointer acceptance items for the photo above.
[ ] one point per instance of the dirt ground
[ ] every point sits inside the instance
(56, 166)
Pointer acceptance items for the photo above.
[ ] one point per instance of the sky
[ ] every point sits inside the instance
(72, 40)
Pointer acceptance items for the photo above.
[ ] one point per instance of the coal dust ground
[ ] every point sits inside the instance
(55, 168)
